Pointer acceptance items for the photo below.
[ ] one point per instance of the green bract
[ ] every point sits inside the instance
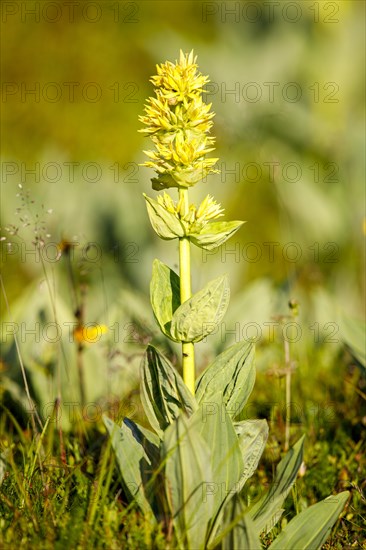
(164, 223)
(171, 221)
(189, 472)
(215, 234)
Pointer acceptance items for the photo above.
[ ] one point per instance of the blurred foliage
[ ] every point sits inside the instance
(252, 57)
(293, 169)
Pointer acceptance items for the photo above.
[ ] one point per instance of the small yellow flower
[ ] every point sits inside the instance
(209, 209)
(179, 82)
(178, 122)
(89, 335)
(195, 218)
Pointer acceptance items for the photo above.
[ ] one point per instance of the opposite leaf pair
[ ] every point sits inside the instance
(169, 223)
(194, 319)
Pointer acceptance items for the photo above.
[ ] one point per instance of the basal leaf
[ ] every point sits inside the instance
(252, 436)
(149, 440)
(164, 395)
(354, 335)
(265, 512)
(233, 372)
(242, 533)
(133, 461)
(188, 471)
(216, 427)
(311, 528)
(198, 316)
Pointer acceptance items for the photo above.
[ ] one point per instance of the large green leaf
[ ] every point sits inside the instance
(233, 372)
(242, 533)
(311, 528)
(215, 426)
(164, 395)
(252, 436)
(165, 224)
(215, 234)
(199, 316)
(267, 511)
(354, 335)
(134, 462)
(187, 472)
(148, 439)
(164, 295)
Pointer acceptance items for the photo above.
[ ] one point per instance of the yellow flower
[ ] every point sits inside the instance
(90, 334)
(195, 218)
(178, 122)
(179, 82)
(209, 209)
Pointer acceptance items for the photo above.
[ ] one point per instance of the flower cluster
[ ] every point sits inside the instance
(178, 122)
(193, 219)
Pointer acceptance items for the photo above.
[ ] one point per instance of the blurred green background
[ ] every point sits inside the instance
(287, 87)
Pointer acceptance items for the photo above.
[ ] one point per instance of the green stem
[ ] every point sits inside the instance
(185, 294)
(288, 394)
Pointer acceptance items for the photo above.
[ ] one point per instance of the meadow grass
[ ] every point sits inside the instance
(53, 497)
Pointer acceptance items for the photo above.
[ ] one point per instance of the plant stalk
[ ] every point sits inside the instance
(288, 394)
(185, 294)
